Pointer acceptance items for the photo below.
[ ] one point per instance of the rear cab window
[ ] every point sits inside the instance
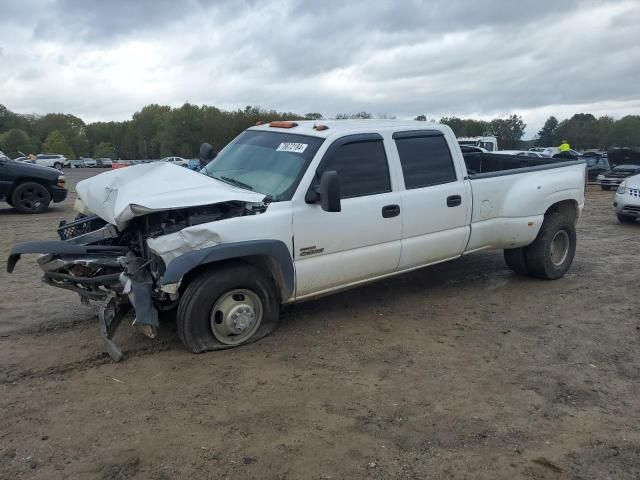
(425, 158)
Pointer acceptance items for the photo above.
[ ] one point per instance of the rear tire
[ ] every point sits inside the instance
(30, 197)
(551, 253)
(626, 219)
(516, 260)
(227, 306)
(605, 187)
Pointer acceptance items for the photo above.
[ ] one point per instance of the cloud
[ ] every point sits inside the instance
(105, 60)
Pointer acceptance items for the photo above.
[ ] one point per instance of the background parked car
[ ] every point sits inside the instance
(105, 163)
(552, 151)
(627, 200)
(595, 166)
(472, 149)
(89, 162)
(183, 162)
(30, 188)
(522, 153)
(52, 160)
(614, 177)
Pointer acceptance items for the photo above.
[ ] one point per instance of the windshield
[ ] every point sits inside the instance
(271, 163)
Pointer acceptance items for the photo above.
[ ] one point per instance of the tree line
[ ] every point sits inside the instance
(158, 131)
(155, 131)
(583, 131)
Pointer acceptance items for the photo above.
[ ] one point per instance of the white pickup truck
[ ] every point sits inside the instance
(289, 211)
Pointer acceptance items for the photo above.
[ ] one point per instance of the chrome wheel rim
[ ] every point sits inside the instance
(559, 248)
(236, 316)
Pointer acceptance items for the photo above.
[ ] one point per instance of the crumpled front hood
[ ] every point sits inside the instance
(119, 195)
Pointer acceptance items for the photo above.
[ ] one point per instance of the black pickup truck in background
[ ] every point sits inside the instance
(624, 163)
(30, 188)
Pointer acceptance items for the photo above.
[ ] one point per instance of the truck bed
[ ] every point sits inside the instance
(482, 165)
(511, 193)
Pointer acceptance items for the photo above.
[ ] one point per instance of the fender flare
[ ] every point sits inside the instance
(275, 250)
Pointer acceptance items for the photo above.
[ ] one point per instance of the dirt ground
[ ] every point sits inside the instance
(463, 370)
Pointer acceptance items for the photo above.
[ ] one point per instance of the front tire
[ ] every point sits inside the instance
(551, 253)
(30, 197)
(57, 166)
(227, 306)
(626, 218)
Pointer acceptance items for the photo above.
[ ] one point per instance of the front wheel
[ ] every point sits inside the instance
(226, 307)
(551, 253)
(57, 166)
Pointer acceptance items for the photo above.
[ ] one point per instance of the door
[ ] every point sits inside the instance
(362, 241)
(436, 200)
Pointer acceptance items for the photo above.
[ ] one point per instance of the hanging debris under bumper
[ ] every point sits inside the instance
(110, 275)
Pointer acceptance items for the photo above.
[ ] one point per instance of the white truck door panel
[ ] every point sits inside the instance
(433, 231)
(339, 248)
(334, 249)
(436, 202)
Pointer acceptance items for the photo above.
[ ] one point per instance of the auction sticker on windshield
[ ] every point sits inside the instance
(292, 147)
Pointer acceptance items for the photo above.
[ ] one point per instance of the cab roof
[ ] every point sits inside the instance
(347, 127)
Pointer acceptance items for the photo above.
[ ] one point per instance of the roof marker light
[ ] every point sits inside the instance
(283, 124)
(320, 127)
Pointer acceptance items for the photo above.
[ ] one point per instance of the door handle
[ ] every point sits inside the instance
(454, 201)
(389, 211)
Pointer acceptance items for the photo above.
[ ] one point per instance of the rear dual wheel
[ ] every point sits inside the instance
(550, 255)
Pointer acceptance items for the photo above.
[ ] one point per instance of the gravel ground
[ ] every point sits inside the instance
(462, 370)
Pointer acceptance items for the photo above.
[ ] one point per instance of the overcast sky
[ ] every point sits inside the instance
(103, 60)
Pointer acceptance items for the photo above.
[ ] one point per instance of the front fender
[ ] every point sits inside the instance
(275, 250)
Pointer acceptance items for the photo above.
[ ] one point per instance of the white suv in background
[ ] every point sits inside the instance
(627, 200)
(52, 160)
(181, 162)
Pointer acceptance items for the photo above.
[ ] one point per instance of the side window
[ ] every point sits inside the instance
(362, 168)
(425, 161)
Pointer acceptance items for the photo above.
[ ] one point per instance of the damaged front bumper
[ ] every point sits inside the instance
(112, 275)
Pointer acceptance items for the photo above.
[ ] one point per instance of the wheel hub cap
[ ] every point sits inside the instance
(236, 316)
(242, 317)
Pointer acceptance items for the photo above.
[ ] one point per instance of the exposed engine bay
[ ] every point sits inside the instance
(117, 268)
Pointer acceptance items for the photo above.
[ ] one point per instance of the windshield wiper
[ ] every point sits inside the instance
(235, 182)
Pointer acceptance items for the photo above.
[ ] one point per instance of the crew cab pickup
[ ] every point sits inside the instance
(289, 211)
(30, 188)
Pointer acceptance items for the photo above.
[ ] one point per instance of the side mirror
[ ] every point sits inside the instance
(327, 193)
(207, 153)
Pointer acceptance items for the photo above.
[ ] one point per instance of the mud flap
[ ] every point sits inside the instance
(110, 314)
